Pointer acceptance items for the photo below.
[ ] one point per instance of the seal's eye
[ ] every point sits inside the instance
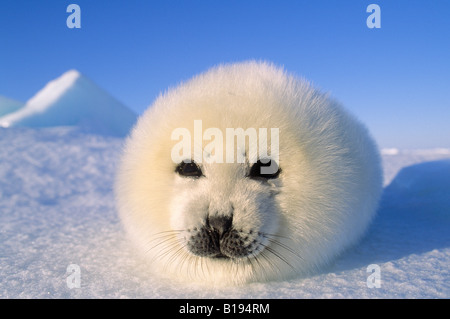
(265, 168)
(189, 169)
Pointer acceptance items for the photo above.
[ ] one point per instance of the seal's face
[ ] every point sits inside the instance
(226, 211)
(200, 213)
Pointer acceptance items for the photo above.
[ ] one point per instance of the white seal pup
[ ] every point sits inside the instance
(206, 205)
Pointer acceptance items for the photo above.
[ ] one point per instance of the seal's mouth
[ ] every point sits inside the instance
(223, 242)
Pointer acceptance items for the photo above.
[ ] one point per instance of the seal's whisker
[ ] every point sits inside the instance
(194, 263)
(186, 257)
(169, 231)
(162, 242)
(250, 262)
(258, 266)
(201, 266)
(167, 248)
(196, 259)
(278, 255)
(156, 237)
(163, 234)
(275, 235)
(175, 254)
(286, 247)
(273, 266)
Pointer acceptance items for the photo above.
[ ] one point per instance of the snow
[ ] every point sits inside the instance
(73, 100)
(57, 209)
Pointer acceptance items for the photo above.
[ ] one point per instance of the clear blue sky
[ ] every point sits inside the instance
(395, 79)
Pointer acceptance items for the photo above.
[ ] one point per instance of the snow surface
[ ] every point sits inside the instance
(73, 100)
(57, 209)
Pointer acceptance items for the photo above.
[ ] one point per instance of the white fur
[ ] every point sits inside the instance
(322, 202)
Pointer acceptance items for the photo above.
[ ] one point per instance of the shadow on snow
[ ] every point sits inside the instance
(413, 217)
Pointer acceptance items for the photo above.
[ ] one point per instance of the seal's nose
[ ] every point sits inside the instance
(221, 224)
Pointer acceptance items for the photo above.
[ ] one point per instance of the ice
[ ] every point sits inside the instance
(57, 209)
(73, 100)
(8, 105)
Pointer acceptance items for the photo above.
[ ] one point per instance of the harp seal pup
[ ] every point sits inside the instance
(224, 222)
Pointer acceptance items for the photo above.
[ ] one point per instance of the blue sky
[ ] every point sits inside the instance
(396, 79)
